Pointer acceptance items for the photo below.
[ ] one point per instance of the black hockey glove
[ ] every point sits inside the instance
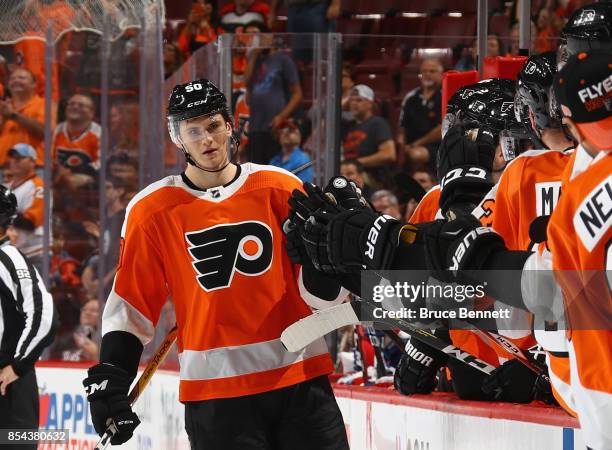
(107, 392)
(417, 369)
(464, 169)
(510, 382)
(294, 245)
(459, 245)
(365, 239)
(345, 194)
(304, 207)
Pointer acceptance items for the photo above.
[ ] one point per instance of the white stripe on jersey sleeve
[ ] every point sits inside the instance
(119, 315)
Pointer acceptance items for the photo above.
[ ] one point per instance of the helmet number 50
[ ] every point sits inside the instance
(193, 87)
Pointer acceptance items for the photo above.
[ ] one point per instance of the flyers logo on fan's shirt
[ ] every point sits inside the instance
(219, 251)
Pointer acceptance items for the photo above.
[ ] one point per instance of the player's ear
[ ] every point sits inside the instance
(573, 129)
(228, 128)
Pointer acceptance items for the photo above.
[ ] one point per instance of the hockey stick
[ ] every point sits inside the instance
(302, 167)
(145, 377)
(306, 330)
(510, 347)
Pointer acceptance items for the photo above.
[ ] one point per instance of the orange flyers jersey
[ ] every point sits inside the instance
(580, 240)
(220, 255)
(30, 199)
(87, 142)
(528, 188)
(428, 208)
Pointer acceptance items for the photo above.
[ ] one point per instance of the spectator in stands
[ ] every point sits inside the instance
(124, 123)
(369, 138)
(80, 345)
(292, 157)
(354, 171)
(348, 81)
(22, 115)
(385, 202)
(27, 229)
(469, 55)
(314, 16)
(79, 132)
(544, 41)
(199, 29)
(239, 13)
(424, 178)
(173, 59)
(124, 167)
(116, 194)
(420, 117)
(514, 39)
(273, 95)
(494, 46)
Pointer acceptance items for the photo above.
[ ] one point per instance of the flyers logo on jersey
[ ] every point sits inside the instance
(219, 251)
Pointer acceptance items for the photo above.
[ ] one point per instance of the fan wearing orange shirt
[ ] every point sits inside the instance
(212, 238)
(79, 133)
(23, 115)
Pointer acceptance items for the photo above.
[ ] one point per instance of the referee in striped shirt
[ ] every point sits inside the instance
(27, 325)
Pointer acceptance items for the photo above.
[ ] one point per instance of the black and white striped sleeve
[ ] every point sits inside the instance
(21, 281)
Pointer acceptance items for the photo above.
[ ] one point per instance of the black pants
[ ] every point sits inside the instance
(19, 408)
(304, 416)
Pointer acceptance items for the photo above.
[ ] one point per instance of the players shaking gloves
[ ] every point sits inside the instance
(340, 233)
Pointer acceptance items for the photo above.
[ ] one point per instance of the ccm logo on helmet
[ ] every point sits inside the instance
(373, 234)
(219, 251)
(465, 245)
(196, 103)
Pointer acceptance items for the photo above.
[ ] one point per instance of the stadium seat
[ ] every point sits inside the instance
(445, 31)
(381, 83)
(375, 7)
(499, 24)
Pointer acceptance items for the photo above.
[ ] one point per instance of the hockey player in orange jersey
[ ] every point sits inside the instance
(580, 240)
(212, 239)
(519, 204)
(579, 236)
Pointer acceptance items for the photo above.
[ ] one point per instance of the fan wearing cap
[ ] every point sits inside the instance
(580, 238)
(26, 230)
(291, 157)
(212, 238)
(368, 139)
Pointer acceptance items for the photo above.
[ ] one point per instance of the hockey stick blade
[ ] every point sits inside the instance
(307, 330)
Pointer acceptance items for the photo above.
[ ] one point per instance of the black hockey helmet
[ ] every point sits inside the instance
(589, 28)
(194, 99)
(488, 103)
(8, 206)
(533, 92)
